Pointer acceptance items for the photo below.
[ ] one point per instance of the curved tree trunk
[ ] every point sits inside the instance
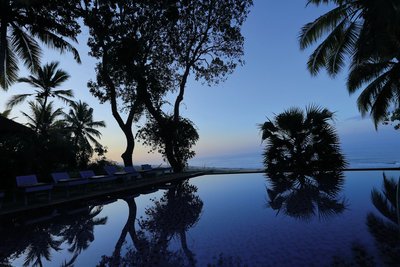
(126, 126)
(130, 146)
(189, 254)
(116, 257)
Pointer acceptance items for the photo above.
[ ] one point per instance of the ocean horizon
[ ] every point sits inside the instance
(355, 159)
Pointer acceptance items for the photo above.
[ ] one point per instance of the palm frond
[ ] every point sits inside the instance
(16, 99)
(381, 103)
(326, 23)
(26, 48)
(366, 72)
(54, 41)
(345, 43)
(10, 68)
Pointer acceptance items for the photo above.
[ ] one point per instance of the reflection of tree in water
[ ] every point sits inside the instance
(302, 197)
(171, 216)
(41, 243)
(386, 230)
(39, 240)
(78, 232)
(360, 257)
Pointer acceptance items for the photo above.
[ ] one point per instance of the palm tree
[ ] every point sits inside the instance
(303, 142)
(43, 120)
(45, 79)
(81, 124)
(367, 33)
(22, 23)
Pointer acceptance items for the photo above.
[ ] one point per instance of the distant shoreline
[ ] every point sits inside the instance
(258, 170)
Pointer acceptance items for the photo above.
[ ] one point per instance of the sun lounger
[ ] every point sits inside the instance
(132, 171)
(29, 184)
(93, 178)
(148, 169)
(62, 179)
(125, 175)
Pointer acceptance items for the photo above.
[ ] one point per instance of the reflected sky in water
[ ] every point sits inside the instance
(233, 223)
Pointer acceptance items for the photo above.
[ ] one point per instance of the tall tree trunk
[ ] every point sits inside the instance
(3, 35)
(116, 257)
(130, 146)
(126, 127)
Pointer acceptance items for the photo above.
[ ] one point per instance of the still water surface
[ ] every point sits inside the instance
(215, 220)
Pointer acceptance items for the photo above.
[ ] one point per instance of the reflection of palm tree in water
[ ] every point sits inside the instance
(172, 215)
(41, 242)
(302, 197)
(39, 239)
(78, 231)
(386, 231)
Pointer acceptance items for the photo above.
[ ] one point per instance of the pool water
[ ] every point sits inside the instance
(213, 220)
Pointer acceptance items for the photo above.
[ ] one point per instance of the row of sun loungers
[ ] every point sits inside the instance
(28, 184)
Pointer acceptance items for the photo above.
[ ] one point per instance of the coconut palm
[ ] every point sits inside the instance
(81, 124)
(353, 28)
(303, 142)
(45, 79)
(381, 78)
(23, 23)
(366, 32)
(43, 121)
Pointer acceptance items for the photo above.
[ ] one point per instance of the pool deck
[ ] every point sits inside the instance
(114, 189)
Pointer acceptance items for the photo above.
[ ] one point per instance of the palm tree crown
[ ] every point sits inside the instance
(43, 120)
(367, 33)
(81, 124)
(303, 142)
(45, 79)
(22, 23)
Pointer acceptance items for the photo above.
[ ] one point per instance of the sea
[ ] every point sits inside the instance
(254, 160)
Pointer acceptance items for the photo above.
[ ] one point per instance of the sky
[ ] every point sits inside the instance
(273, 79)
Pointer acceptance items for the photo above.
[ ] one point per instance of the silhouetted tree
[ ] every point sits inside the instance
(52, 144)
(22, 23)
(366, 32)
(205, 41)
(79, 121)
(44, 119)
(360, 257)
(45, 79)
(301, 142)
(159, 226)
(151, 49)
(154, 136)
(126, 38)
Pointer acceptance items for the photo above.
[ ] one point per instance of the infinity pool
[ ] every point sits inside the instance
(213, 220)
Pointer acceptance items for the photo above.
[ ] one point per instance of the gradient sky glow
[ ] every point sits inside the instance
(273, 79)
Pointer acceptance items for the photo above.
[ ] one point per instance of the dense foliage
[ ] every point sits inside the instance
(24, 23)
(368, 34)
(301, 142)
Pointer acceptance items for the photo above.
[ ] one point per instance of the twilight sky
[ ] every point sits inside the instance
(273, 79)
